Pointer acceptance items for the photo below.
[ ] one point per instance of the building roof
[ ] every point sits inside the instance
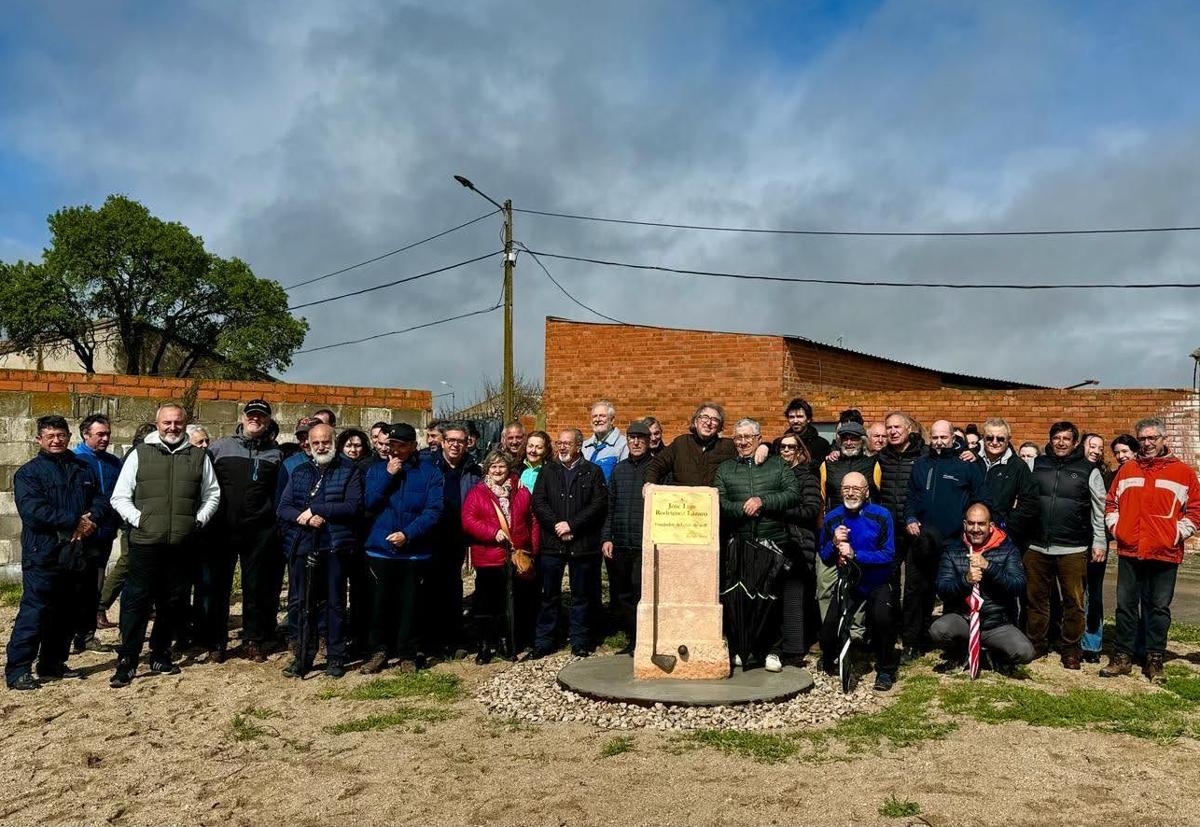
(949, 378)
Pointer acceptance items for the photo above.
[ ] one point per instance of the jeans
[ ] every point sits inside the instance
(1093, 607)
(583, 573)
(1041, 572)
(157, 581)
(1145, 589)
(880, 616)
(397, 587)
(951, 632)
(328, 617)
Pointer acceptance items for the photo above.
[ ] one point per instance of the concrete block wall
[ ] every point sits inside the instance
(129, 401)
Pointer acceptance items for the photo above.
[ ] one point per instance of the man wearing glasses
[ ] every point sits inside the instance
(693, 458)
(1010, 482)
(1071, 492)
(1152, 508)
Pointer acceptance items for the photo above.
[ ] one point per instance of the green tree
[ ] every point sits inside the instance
(172, 304)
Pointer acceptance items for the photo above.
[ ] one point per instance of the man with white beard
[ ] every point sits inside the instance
(166, 491)
(318, 512)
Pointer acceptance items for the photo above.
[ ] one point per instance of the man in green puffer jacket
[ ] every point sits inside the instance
(753, 500)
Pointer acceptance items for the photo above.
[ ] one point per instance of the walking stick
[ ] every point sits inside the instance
(310, 574)
(510, 611)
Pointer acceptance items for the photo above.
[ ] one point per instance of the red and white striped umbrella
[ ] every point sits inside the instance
(974, 603)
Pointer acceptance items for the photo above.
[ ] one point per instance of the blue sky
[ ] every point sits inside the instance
(305, 136)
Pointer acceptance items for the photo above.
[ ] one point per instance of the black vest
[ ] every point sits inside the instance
(1065, 498)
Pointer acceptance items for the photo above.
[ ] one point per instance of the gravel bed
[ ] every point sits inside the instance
(529, 692)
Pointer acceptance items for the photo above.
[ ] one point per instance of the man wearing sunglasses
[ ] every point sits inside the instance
(1014, 493)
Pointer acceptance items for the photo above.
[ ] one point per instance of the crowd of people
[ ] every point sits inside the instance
(374, 536)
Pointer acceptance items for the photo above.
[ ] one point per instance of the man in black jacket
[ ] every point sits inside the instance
(1014, 493)
(904, 447)
(570, 501)
(983, 555)
(622, 532)
(247, 467)
(849, 454)
(460, 473)
(799, 417)
(59, 501)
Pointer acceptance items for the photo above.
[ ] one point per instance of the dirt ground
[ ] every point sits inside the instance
(166, 751)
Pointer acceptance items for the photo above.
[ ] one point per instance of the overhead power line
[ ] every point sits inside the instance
(347, 269)
(448, 267)
(564, 290)
(404, 330)
(928, 285)
(879, 233)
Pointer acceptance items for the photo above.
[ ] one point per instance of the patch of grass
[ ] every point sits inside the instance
(1183, 633)
(617, 746)
(766, 748)
(244, 729)
(895, 808)
(906, 722)
(1183, 682)
(1154, 715)
(437, 686)
(10, 593)
(261, 713)
(617, 640)
(400, 716)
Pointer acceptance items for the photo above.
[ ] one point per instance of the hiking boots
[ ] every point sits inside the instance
(1072, 660)
(884, 681)
(24, 682)
(1153, 670)
(1119, 663)
(334, 669)
(375, 665)
(294, 669)
(254, 652)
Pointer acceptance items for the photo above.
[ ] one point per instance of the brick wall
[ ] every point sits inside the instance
(666, 372)
(129, 401)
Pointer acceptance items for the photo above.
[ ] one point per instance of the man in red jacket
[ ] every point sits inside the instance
(1153, 507)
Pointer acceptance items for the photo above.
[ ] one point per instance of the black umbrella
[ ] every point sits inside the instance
(848, 576)
(753, 567)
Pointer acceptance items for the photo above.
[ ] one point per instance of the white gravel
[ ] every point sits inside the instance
(529, 692)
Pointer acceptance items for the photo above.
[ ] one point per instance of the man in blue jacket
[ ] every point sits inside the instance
(983, 555)
(406, 497)
(59, 503)
(320, 507)
(861, 532)
(96, 434)
(941, 487)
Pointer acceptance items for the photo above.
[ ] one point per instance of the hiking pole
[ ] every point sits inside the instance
(662, 661)
(510, 611)
(310, 574)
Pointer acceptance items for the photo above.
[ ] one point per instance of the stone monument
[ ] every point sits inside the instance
(679, 629)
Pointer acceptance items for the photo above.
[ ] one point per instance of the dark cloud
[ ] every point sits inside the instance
(304, 138)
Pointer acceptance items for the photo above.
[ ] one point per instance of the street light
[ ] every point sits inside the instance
(506, 381)
(453, 407)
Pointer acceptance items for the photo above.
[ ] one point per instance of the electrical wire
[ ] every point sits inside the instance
(877, 233)
(404, 330)
(927, 285)
(404, 280)
(315, 279)
(564, 290)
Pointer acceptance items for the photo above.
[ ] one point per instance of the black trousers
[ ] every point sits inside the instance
(261, 555)
(328, 599)
(398, 592)
(920, 586)
(91, 582)
(445, 608)
(157, 582)
(797, 608)
(489, 606)
(625, 587)
(358, 611)
(880, 618)
(42, 630)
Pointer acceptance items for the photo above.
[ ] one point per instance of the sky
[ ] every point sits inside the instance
(303, 137)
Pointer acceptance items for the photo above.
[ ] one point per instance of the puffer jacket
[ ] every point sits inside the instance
(773, 482)
(1002, 585)
(52, 491)
(1153, 506)
(623, 523)
(804, 518)
(338, 499)
(895, 469)
(1065, 499)
(833, 471)
(409, 501)
(480, 524)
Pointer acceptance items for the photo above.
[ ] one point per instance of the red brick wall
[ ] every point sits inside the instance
(809, 364)
(154, 387)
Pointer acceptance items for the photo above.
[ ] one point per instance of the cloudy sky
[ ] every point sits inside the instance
(304, 137)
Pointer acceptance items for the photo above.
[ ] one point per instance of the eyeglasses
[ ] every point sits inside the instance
(1150, 438)
(746, 437)
(708, 418)
(454, 441)
(854, 489)
(786, 447)
(1000, 439)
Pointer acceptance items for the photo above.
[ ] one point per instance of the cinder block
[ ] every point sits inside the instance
(17, 428)
(17, 453)
(217, 414)
(369, 416)
(6, 476)
(14, 404)
(43, 404)
(136, 409)
(10, 526)
(8, 504)
(87, 404)
(10, 552)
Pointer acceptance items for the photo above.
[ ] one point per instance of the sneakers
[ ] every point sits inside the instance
(1153, 670)
(911, 654)
(539, 652)
(484, 656)
(58, 673)
(375, 665)
(294, 669)
(1119, 663)
(773, 664)
(581, 651)
(122, 676)
(884, 681)
(24, 683)
(78, 644)
(163, 666)
(737, 661)
(334, 669)
(407, 666)
(1090, 656)
(828, 666)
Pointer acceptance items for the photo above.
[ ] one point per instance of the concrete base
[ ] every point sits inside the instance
(611, 679)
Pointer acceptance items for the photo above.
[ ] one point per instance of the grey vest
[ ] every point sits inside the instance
(167, 493)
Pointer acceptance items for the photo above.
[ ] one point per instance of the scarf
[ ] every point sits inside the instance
(503, 494)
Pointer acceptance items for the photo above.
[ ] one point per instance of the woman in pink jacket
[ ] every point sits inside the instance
(497, 518)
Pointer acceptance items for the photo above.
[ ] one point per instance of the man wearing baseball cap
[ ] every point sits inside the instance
(247, 465)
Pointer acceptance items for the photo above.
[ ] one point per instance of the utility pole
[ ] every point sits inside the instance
(509, 262)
